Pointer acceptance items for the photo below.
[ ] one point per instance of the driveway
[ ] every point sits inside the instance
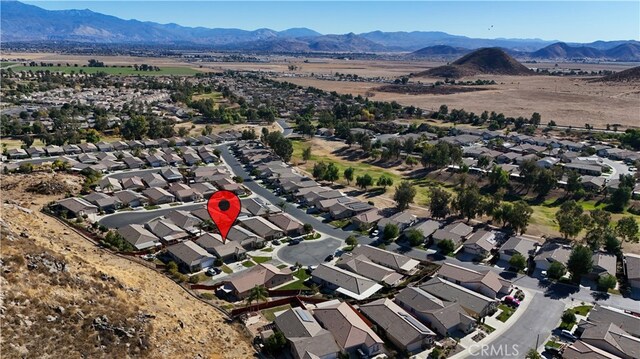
(121, 219)
(540, 318)
(286, 129)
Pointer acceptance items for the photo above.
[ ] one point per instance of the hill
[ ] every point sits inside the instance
(560, 50)
(625, 52)
(628, 75)
(439, 51)
(485, 61)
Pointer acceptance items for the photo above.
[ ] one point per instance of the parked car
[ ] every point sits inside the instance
(293, 242)
(511, 301)
(567, 334)
(329, 258)
(149, 257)
(213, 271)
(275, 242)
(374, 233)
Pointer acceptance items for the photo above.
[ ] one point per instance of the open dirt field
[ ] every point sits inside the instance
(183, 327)
(568, 101)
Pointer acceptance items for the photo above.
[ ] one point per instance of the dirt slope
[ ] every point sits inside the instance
(487, 61)
(80, 301)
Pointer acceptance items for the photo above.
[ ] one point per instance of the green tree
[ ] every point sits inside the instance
(607, 282)
(545, 182)
(598, 228)
(306, 154)
(439, 202)
(516, 215)
(384, 181)
(332, 173)
(446, 246)
(580, 262)
(498, 178)
(627, 228)
(364, 181)
(390, 232)
(258, 293)
(612, 244)
(568, 316)
(405, 193)
(319, 170)
(308, 228)
(469, 202)
(533, 354)
(571, 219)
(415, 237)
(620, 198)
(518, 262)
(573, 182)
(135, 128)
(351, 241)
(556, 270)
(348, 175)
(92, 136)
(275, 343)
(528, 173)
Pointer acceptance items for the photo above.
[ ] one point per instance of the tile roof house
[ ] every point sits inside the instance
(427, 227)
(603, 263)
(262, 274)
(245, 237)
(109, 185)
(262, 227)
(133, 183)
(444, 317)
(191, 256)
(523, 246)
(610, 338)
(289, 225)
(344, 282)
(229, 251)
(366, 220)
(154, 180)
(552, 252)
(485, 282)
(77, 206)
(184, 193)
(166, 231)
(480, 243)
(582, 350)
(632, 269)
(138, 236)
(171, 174)
(158, 195)
(402, 329)
(402, 220)
(258, 207)
(602, 314)
(360, 264)
(456, 231)
(307, 339)
(398, 262)
(130, 198)
(104, 201)
(184, 220)
(474, 303)
(348, 328)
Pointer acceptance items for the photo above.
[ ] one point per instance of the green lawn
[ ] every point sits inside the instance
(269, 314)
(582, 309)
(301, 274)
(150, 208)
(248, 264)
(487, 328)
(297, 285)
(339, 223)
(566, 325)
(552, 344)
(506, 313)
(181, 71)
(269, 249)
(226, 269)
(281, 266)
(259, 260)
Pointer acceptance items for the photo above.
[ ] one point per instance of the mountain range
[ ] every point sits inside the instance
(27, 23)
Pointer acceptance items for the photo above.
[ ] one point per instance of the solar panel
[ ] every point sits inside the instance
(414, 322)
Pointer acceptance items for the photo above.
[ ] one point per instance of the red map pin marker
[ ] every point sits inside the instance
(224, 208)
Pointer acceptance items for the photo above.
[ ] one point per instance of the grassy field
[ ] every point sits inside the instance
(4, 64)
(178, 71)
(215, 96)
(259, 260)
(269, 314)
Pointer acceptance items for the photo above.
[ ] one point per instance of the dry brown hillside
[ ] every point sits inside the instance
(62, 297)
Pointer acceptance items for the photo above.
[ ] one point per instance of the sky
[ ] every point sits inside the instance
(570, 21)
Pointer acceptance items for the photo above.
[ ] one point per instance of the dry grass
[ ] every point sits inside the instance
(182, 327)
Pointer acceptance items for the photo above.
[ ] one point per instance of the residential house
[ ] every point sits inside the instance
(158, 196)
(307, 339)
(632, 269)
(138, 236)
(362, 265)
(603, 264)
(88, 147)
(582, 350)
(262, 228)
(133, 162)
(204, 189)
(610, 338)
(402, 220)
(103, 201)
(263, 274)
(289, 225)
(77, 206)
(129, 198)
(367, 219)
(71, 149)
(485, 281)
(602, 314)
(189, 255)
(229, 251)
(172, 174)
(343, 210)
(400, 327)
(427, 228)
(398, 262)
(585, 169)
(109, 185)
(552, 252)
(53, 150)
(166, 231)
(348, 328)
(132, 183)
(156, 160)
(457, 232)
(523, 246)
(338, 280)
(258, 207)
(476, 304)
(184, 193)
(185, 220)
(154, 180)
(17, 153)
(480, 243)
(245, 237)
(36, 152)
(444, 317)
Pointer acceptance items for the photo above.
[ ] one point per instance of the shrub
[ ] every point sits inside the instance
(207, 296)
(194, 279)
(446, 246)
(390, 231)
(568, 317)
(607, 282)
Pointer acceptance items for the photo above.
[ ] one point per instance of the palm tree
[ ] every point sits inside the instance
(259, 293)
